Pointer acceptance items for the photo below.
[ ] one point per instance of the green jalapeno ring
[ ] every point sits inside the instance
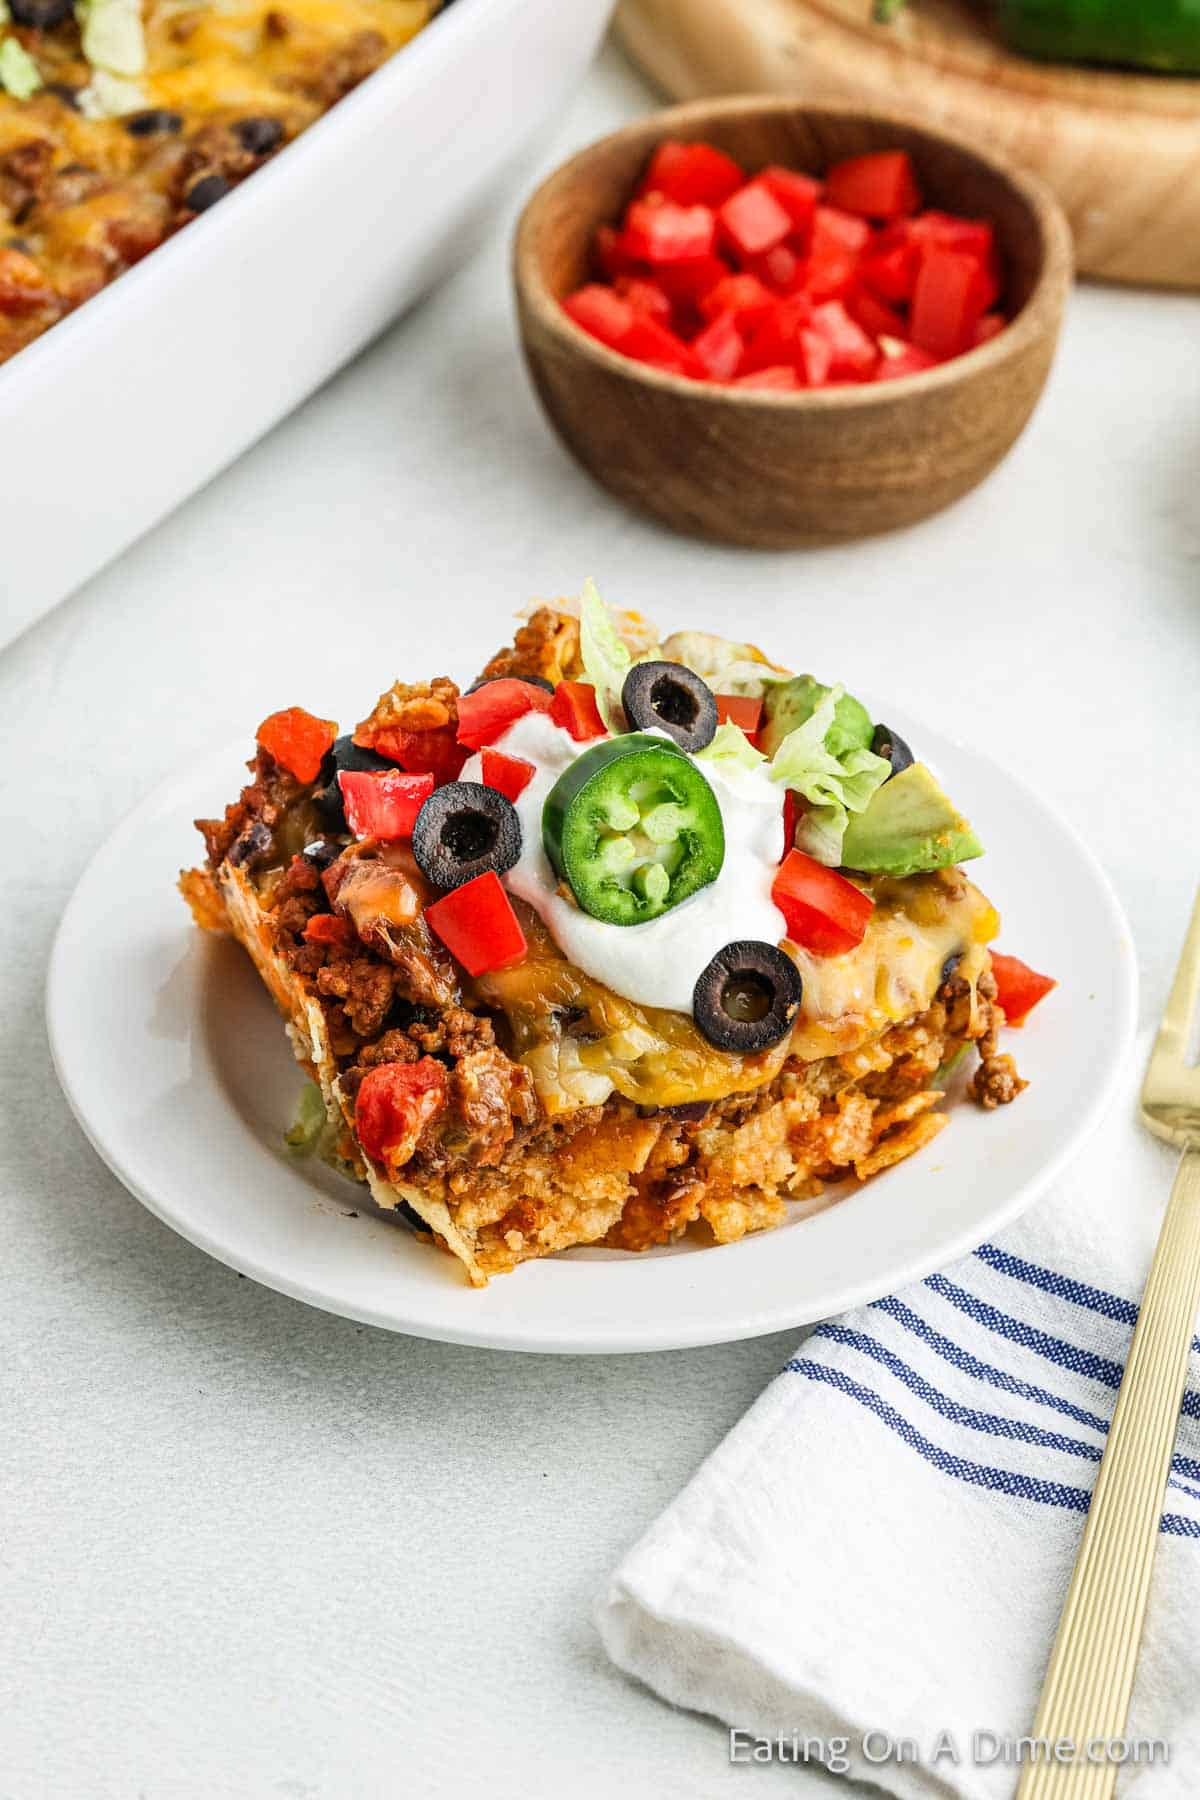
(633, 828)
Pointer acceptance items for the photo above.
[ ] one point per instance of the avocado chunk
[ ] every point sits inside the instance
(789, 704)
(910, 826)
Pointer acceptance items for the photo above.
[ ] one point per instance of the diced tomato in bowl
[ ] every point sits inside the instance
(782, 279)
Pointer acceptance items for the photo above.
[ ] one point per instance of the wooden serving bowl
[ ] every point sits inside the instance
(776, 469)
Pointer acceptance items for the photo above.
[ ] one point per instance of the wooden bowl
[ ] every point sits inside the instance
(775, 469)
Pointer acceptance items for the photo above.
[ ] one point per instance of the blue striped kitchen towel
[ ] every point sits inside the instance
(869, 1570)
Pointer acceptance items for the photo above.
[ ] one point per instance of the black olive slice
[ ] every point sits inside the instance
(892, 747)
(344, 754)
(529, 680)
(672, 698)
(463, 830)
(321, 852)
(747, 997)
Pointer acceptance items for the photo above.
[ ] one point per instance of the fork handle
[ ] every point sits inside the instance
(1090, 1675)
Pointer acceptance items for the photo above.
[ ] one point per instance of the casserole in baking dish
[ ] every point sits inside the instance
(139, 396)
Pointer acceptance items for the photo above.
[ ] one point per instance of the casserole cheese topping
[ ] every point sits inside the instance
(102, 159)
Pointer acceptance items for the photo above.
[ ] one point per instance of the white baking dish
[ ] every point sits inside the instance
(130, 404)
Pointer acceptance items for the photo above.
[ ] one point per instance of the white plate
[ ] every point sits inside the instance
(136, 399)
(176, 1065)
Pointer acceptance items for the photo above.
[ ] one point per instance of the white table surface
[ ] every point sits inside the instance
(248, 1549)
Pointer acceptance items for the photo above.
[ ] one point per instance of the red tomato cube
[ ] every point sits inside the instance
(1018, 987)
(742, 710)
(797, 194)
(692, 174)
(601, 313)
(854, 353)
(383, 803)
(649, 342)
(487, 714)
(744, 296)
(782, 376)
(824, 912)
(509, 775)
(297, 741)
(719, 347)
(901, 359)
(752, 220)
(574, 708)
(478, 926)
(891, 273)
(873, 314)
(777, 339)
(881, 185)
(668, 233)
(394, 1104)
(645, 296)
(816, 359)
(834, 229)
(948, 301)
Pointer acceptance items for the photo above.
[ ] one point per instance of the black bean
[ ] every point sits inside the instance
(206, 192)
(156, 121)
(251, 845)
(41, 15)
(259, 136)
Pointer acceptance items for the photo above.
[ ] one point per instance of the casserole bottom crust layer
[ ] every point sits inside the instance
(632, 1177)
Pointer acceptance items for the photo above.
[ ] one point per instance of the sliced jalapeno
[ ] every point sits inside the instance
(633, 828)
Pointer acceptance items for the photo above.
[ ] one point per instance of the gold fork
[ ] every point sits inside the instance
(1085, 1698)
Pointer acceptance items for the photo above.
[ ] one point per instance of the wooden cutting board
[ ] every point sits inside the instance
(1121, 151)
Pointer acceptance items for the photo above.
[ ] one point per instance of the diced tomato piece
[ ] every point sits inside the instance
(692, 174)
(719, 347)
(854, 353)
(791, 815)
(816, 358)
(649, 342)
(509, 775)
(486, 714)
(989, 326)
(948, 300)
(781, 376)
(874, 314)
(742, 710)
(328, 928)
(574, 708)
(383, 803)
(781, 269)
(689, 279)
(752, 220)
(297, 741)
(645, 297)
(797, 194)
(394, 1104)
(1018, 987)
(899, 359)
(600, 312)
(891, 273)
(777, 339)
(668, 233)
(745, 296)
(436, 751)
(612, 254)
(478, 926)
(834, 229)
(946, 231)
(881, 185)
(825, 913)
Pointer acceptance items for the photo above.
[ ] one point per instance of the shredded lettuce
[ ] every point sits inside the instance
(833, 785)
(19, 74)
(606, 658)
(110, 96)
(308, 1125)
(727, 667)
(113, 38)
(730, 749)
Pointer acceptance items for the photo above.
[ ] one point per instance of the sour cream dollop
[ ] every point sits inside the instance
(657, 963)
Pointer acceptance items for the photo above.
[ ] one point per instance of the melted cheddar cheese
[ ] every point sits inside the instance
(581, 1042)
